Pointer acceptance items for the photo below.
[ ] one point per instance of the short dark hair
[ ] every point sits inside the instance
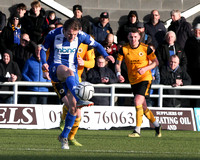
(21, 6)
(134, 30)
(72, 23)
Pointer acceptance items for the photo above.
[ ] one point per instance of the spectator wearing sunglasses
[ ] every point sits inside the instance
(10, 36)
(23, 51)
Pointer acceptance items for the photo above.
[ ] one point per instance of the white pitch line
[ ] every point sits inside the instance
(98, 151)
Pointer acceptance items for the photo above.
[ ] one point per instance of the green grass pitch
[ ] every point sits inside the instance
(18, 144)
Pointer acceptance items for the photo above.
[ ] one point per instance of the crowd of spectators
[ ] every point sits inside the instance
(22, 33)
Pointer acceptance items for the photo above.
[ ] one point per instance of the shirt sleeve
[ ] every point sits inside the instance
(90, 59)
(47, 44)
(120, 55)
(87, 39)
(150, 54)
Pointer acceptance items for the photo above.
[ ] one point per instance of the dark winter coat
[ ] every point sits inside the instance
(182, 29)
(156, 32)
(163, 55)
(99, 32)
(192, 51)
(5, 71)
(94, 76)
(168, 77)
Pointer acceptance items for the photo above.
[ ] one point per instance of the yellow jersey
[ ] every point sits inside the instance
(88, 55)
(136, 58)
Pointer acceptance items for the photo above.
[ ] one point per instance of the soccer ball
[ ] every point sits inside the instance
(84, 91)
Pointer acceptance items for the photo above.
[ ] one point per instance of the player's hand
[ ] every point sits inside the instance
(80, 61)
(121, 78)
(141, 71)
(110, 58)
(45, 67)
(46, 75)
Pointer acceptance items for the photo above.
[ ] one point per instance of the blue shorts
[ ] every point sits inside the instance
(53, 75)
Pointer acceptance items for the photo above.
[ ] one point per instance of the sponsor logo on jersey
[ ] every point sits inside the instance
(66, 50)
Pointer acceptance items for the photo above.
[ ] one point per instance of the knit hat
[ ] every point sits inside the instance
(77, 7)
(104, 15)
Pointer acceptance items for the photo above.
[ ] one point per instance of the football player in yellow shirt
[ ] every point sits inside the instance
(137, 56)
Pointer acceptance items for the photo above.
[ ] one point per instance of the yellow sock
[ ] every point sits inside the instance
(149, 115)
(65, 110)
(74, 128)
(139, 115)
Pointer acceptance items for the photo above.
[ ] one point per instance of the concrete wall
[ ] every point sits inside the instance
(118, 9)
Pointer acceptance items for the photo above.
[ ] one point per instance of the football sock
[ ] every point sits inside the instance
(139, 115)
(71, 84)
(151, 117)
(65, 110)
(74, 128)
(137, 129)
(69, 121)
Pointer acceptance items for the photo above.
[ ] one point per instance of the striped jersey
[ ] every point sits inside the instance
(64, 52)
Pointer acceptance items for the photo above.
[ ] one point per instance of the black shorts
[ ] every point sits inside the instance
(142, 88)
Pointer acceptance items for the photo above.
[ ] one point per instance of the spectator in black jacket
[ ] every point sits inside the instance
(9, 72)
(181, 27)
(132, 20)
(102, 28)
(104, 75)
(78, 13)
(23, 17)
(192, 51)
(173, 75)
(2, 21)
(23, 51)
(37, 17)
(155, 28)
(168, 48)
(10, 36)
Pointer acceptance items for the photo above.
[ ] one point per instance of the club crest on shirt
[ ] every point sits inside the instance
(141, 54)
(80, 50)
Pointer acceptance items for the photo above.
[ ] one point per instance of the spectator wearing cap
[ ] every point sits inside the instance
(155, 28)
(10, 36)
(102, 28)
(78, 13)
(132, 20)
(9, 72)
(145, 38)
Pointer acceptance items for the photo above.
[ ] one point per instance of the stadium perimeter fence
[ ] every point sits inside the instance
(159, 94)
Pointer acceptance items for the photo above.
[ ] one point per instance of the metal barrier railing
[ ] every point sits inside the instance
(160, 95)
